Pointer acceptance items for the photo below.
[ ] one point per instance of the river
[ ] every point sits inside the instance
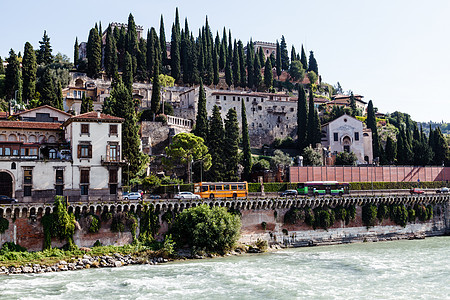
(416, 269)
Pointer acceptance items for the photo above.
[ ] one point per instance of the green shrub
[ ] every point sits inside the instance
(149, 224)
(369, 214)
(411, 215)
(382, 212)
(202, 227)
(399, 214)
(264, 225)
(293, 215)
(11, 247)
(285, 231)
(309, 216)
(261, 245)
(93, 223)
(97, 244)
(393, 185)
(323, 218)
(4, 224)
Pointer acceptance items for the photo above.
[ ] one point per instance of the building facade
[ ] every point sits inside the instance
(46, 152)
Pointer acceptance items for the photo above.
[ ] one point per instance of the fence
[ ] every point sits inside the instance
(369, 174)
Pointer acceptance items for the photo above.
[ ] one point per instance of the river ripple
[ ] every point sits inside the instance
(418, 269)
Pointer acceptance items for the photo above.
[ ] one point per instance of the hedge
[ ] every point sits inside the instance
(394, 185)
(173, 189)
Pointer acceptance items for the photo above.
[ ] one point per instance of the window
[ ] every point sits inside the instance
(292, 109)
(336, 136)
(113, 181)
(27, 182)
(15, 152)
(85, 129)
(84, 151)
(33, 151)
(84, 181)
(23, 152)
(217, 97)
(59, 179)
(113, 129)
(224, 97)
(234, 98)
(59, 176)
(356, 136)
(52, 154)
(112, 152)
(247, 99)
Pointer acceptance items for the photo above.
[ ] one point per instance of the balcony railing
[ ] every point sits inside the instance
(112, 161)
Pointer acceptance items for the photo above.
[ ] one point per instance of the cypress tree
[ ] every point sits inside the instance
(111, 60)
(215, 143)
(257, 77)
(262, 57)
(93, 53)
(127, 74)
(353, 105)
(247, 154)
(390, 150)
(230, 48)
(76, 53)
(185, 52)
(193, 63)
(228, 74)
(236, 66)
(45, 50)
(131, 42)
(278, 59)
(120, 42)
(312, 126)
(250, 65)
(268, 75)
(141, 70)
(48, 96)
(201, 122)
(2, 69)
(215, 66)
(302, 119)
(58, 103)
(231, 151)
(124, 108)
(304, 60)
(293, 53)
(209, 74)
(243, 72)
(162, 42)
(284, 54)
(441, 152)
(372, 125)
(84, 106)
(153, 51)
(175, 54)
(29, 68)
(156, 90)
(223, 51)
(312, 65)
(12, 77)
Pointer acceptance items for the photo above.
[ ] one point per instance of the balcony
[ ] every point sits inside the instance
(108, 161)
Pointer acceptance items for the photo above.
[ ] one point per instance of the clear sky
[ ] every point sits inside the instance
(395, 53)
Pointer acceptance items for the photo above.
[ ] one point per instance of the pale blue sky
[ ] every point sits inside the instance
(395, 53)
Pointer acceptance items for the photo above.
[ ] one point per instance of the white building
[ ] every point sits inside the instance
(348, 134)
(50, 153)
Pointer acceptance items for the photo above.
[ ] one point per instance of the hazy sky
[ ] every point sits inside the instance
(395, 53)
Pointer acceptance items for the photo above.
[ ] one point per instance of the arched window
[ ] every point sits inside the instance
(12, 138)
(346, 141)
(52, 154)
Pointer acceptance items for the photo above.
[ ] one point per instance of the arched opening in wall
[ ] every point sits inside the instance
(6, 184)
(346, 141)
(79, 83)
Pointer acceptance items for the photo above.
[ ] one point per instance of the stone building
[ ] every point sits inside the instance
(47, 152)
(348, 134)
(267, 47)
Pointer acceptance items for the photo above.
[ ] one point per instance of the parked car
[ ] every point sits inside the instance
(416, 191)
(132, 196)
(288, 193)
(154, 196)
(442, 190)
(7, 200)
(186, 195)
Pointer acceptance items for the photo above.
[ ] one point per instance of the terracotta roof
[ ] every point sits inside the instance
(30, 125)
(4, 114)
(40, 107)
(249, 94)
(94, 116)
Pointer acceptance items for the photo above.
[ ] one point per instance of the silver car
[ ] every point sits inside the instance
(186, 195)
(133, 196)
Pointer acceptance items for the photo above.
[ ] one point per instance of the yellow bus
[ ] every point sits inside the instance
(221, 189)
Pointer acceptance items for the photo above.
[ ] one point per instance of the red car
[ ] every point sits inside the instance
(416, 191)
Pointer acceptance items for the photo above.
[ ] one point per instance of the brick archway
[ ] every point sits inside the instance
(6, 183)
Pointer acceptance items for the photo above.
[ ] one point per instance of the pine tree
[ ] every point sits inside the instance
(302, 119)
(242, 64)
(111, 60)
(284, 54)
(201, 122)
(303, 59)
(76, 53)
(162, 42)
(278, 59)
(312, 65)
(268, 75)
(127, 74)
(93, 53)
(156, 90)
(29, 69)
(12, 77)
(231, 151)
(175, 54)
(257, 77)
(48, 96)
(215, 143)
(45, 50)
(247, 154)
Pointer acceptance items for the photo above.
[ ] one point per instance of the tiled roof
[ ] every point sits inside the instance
(4, 114)
(30, 125)
(249, 94)
(94, 116)
(40, 107)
